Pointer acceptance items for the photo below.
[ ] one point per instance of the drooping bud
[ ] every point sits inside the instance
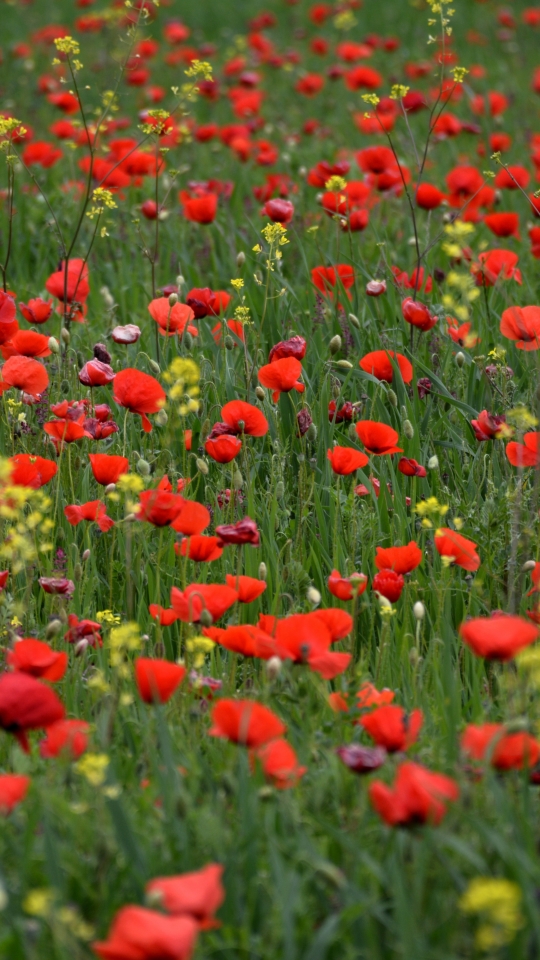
(229, 342)
(202, 466)
(154, 367)
(392, 398)
(273, 667)
(262, 570)
(408, 429)
(54, 346)
(86, 555)
(335, 344)
(312, 432)
(460, 359)
(354, 321)
(65, 335)
(206, 618)
(237, 480)
(419, 610)
(143, 467)
(162, 418)
(53, 629)
(259, 393)
(240, 258)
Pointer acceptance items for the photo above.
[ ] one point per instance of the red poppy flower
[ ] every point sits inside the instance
(223, 449)
(24, 374)
(141, 934)
(374, 288)
(399, 559)
(428, 196)
(247, 640)
(8, 322)
(37, 659)
(95, 373)
(343, 415)
(327, 279)
(361, 759)
(504, 751)
(362, 77)
(165, 617)
(392, 728)
(411, 468)
(417, 314)
(461, 333)
(457, 548)
(172, 320)
(309, 85)
(139, 393)
(345, 588)
(77, 287)
(36, 310)
(58, 586)
(308, 637)
(369, 696)
(243, 417)
(281, 376)
(198, 894)
(378, 438)
(159, 507)
(236, 327)
(192, 519)
(499, 636)
(215, 598)
(379, 365)
(490, 427)
(157, 679)
(493, 264)
(94, 511)
(512, 178)
(245, 722)
(295, 347)
(346, 460)
(242, 532)
(13, 790)
(4, 576)
(108, 468)
(389, 584)
(26, 704)
(199, 209)
(26, 343)
(525, 454)
(522, 324)
(278, 210)
(503, 224)
(64, 431)
(83, 630)
(280, 764)
(248, 588)
(201, 549)
(30, 471)
(129, 333)
(205, 302)
(65, 738)
(418, 796)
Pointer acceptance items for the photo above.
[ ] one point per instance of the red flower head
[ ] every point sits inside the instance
(215, 598)
(525, 454)
(499, 636)
(389, 584)
(343, 415)
(249, 588)
(95, 373)
(522, 324)
(192, 519)
(281, 376)
(36, 310)
(280, 764)
(328, 279)
(378, 438)
(411, 468)
(503, 224)
(417, 314)
(77, 287)
(108, 468)
(399, 559)
(490, 427)
(245, 722)
(346, 460)
(130, 333)
(201, 549)
(224, 448)
(65, 738)
(199, 209)
(369, 696)
(244, 531)
(197, 895)
(157, 679)
(159, 507)
(172, 320)
(493, 264)
(24, 374)
(346, 588)
(280, 211)
(392, 728)
(295, 347)
(429, 197)
(83, 630)
(361, 759)
(205, 302)
(26, 343)
(505, 751)
(139, 393)
(37, 659)
(165, 617)
(458, 549)
(418, 796)
(13, 790)
(26, 704)
(58, 586)
(379, 365)
(242, 417)
(30, 471)
(375, 288)
(8, 323)
(94, 511)
(140, 934)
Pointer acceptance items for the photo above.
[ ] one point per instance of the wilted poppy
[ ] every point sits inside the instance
(499, 636)
(346, 460)
(361, 759)
(157, 679)
(457, 549)
(242, 532)
(139, 393)
(295, 347)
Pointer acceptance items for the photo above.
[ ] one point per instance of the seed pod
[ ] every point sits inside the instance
(353, 319)
(155, 368)
(202, 466)
(352, 433)
(161, 418)
(205, 430)
(187, 340)
(408, 429)
(240, 258)
(335, 344)
(143, 467)
(312, 433)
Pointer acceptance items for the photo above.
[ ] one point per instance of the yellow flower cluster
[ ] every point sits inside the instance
(183, 374)
(26, 526)
(122, 641)
(199, 647)
(498, 904)
(101, 200)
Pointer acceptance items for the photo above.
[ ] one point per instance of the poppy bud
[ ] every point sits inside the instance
(273, 667)
(110, 488)
(433, 463)
(202, 466)
(344, 364)
(173, 298)
(229, 343)
(419, 610)
(107, 297)
(86, 555)
(161, 418)
(335, 344)
(54, 346)
(101, 353)
(65, 335)
(187, 340)
(460, 359)
(413, 656)
(352, 433)
(154, 366)
(238, 480)
(262, 571)
(241, 425)
(65, 387)
(62, 615)
(77, 572)
(206, 618)
(408, 429)
(259, 393)
(312, 433)
(240, 258)
(313, 596)
(392, 398)
(353, 319)
(205, 430)
(80, 647)
(53, 629)
(143, 467)
(528, 565)
(280, 489)
(180, 280)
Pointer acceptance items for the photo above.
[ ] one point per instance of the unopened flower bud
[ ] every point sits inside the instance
(312, 432)
(353, 319)
(80, 647)
(154, 366)
(259, 393)
(65, 335)
(433, 463)
(273, 667)
(173, 298)
(54, 346)
(110, 488)
(107, 297)
(180, 280)
(352, 433)
(205, 430)
(344, 364)
(77, 572)
(413, 656)
(229, 343)
(335, 344)
(53, 629)
(237, 480)
(161, 418)
(313, 596)
(419, 610)
(280, 490)
(262, 570)
(143, 467)
(528, 565)
(86, 555)
(206, 618)
(392, 398)
(240, 258)
(408, 429)
(460, 359)
(202, 466)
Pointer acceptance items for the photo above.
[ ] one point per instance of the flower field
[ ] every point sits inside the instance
(269, 480)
